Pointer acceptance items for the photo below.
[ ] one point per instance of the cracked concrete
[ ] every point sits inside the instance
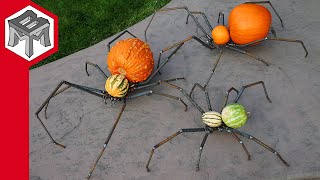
(290, 123)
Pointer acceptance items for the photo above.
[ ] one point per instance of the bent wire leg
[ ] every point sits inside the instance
(200, 150)
(182, 43)
(107, 140)
(184, 92)
(226, 97)
(273, 31)
(146, 93)
(204, 17)
(56, 92)
(168, 139)
(250, 85)
(117, 37)
(242, 144)
(248, 54)
(155, 84)
(291, 40)
(97, 67)
(248, 136)
(203, 88)
(221, 15)
(267, 2)
(277, 39)
(176, 8)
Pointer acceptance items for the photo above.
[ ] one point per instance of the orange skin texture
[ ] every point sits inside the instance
(248, 23)
(132, 58)
(220, 35)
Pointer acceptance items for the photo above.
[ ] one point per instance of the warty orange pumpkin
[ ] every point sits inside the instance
(249, 23)
(132, 58)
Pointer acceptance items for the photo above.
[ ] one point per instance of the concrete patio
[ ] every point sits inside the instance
(290, 123)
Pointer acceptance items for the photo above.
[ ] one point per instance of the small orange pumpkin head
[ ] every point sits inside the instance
(132, 58)
(248, 23)
(220, 35)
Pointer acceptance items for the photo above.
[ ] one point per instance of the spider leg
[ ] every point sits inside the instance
(184, 92)
(248, 136)
(204, 17)
(273, 31)
(277, 39)
(117, 37)
(97, 67)
(179, 44)
(221, 15)
(155, 84)
(242, 144)
(250, 85)
(200, 151)
(146, 93)
(177, 8)
(203, 88)
(267, 2)
(107, 140)
(229, 46)
(169, 138)
(226, 97)
(55, 92)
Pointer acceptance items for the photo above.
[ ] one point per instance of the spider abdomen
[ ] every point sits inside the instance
(234, 115)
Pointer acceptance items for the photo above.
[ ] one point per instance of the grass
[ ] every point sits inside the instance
(83, 23)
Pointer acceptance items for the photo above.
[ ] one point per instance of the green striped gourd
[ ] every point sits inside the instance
(234, 115)
(117, 85)
(212, 119)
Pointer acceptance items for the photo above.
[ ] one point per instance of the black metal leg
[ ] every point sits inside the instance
(155, 84)
(177, 8)
(250, 85)
(146, 93)
(107, 140)
(179, 44)
(203, 88)
(291, 40)
(248, 54)
(121, 34)
(221, 15)
(242, 144)
(204, 17)
(226, 97)
(200, 151)
(184, 92)
(267, 2)
(248, 136)
(168, 139)
(97, 67)
(56, 92)
(273, 31)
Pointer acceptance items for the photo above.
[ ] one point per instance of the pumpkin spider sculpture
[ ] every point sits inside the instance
(124, 61)
(232, 116)
(249, 24)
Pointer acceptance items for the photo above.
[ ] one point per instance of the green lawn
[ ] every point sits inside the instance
(83, 23)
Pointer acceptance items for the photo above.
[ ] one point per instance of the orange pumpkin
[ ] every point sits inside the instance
(248, 23)
(132, 58)
(220, 35)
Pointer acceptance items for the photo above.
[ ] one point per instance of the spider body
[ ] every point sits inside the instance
(216, 122)
(117, 89)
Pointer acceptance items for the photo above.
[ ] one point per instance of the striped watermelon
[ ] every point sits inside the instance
(117, 85)
(234, 115)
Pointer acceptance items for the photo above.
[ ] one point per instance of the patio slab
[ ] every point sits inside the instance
(290, 123)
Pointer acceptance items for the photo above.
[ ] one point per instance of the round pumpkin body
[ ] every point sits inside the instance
(248, 23)
(234, 115)
(212, 119)
(220, 35)
(117, 85)
(132, 58)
